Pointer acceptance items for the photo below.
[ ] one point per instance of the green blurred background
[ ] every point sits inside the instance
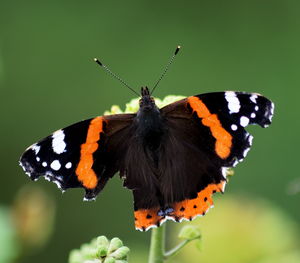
(48, 81)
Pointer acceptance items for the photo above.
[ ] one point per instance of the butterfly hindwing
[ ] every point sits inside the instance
(81, 155)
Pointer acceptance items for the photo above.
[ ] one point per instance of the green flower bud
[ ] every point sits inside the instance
(88, 251)
(92, 261)
(229, 172)
(168, 99)
(102, 251)
(75, 256)
(120, 253)
(115, 243)
(102, 244)
(109, 260)
(115, 109)
(133, 105)
(102, 241)
(189, 232)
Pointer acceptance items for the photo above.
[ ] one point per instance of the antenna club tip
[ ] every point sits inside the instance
(98, 62)
(177, 50)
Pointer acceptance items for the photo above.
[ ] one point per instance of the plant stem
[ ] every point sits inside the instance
(157, 245)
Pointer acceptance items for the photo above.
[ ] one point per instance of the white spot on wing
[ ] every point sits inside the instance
(235, 163)
(272, 108)
(250, 139)
(48, 178)
(68, 165)
(246, 152)
(253, 115)
(244, 121)
(89, 199)
(55, 165)
(20, 163)
(253, 98)
(58, 143)
(57, 183)
(36, 148)
(223, 188)
(51, 178)
(44, 164)
(234, 127)
(272, 111)
(37, 159)
(224, 171)
(256, 108)
(233, 102)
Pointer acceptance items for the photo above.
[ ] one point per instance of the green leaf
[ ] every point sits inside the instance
(198, 244)
(189, 232)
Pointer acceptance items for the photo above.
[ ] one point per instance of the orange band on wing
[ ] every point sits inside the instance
(187, 209)
(190, 208)
(84, 171)
(223, 138)
(145, 218)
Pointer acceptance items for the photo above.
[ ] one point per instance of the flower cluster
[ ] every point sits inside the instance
(100, 250)
(133, 105)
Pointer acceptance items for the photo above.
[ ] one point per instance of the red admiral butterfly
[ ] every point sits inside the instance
(173, 159)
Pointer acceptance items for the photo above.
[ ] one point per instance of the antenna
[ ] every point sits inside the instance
(115, 76)
(166, 68)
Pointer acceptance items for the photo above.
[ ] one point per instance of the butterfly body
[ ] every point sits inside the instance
(149, 124)
(173, 159)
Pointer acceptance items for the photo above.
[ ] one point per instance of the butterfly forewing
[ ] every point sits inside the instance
(225, 114)
(78, 156)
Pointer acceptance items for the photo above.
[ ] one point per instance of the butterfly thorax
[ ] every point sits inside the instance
(149, 123)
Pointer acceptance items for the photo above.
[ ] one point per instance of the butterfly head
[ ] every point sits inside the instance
(146, 102)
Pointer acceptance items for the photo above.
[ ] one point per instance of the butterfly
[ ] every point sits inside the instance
(173, 158)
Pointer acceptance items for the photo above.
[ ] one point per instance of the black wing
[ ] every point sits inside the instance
(85, 154)
(224, 116)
